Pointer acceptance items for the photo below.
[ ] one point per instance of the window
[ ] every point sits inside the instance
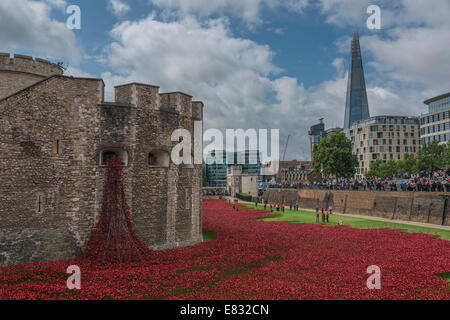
(57, 147)
(158, 158)
(188, 198)
(39, 203)
(112, 153)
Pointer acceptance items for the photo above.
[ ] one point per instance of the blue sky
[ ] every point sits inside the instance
(255, 63)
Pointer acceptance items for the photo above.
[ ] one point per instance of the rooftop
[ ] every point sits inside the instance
(442, 96)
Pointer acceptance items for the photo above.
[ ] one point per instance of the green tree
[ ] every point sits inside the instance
(205, 181)
(447, 156)
(375, 169)
(389, 169)
(432, 157)
(407, 165)
(334, 158)
(383, 170)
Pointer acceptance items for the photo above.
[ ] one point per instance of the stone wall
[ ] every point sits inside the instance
(411, 206)
(47, 200)
(21, 71)
(53, 135)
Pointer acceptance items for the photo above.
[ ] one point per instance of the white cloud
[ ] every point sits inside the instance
(410, 53)
(76, 72)
(118, 7)
(338, 64)
(235, 77)
(57, 3)
(26, 26)
(345, 12)
(248, 10)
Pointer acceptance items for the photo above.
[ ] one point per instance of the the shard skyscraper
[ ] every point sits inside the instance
(356, 106)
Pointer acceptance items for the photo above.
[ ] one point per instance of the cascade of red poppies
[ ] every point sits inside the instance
(113, 238)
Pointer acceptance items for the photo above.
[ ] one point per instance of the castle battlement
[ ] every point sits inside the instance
(26, 64)
(148, 96)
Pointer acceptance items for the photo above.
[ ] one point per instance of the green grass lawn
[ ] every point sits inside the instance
(209, 235)
(360, 223)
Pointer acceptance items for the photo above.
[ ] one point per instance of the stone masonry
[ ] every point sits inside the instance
(427, 207)
(56, 134)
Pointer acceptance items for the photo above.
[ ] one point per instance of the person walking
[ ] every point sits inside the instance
(323, 215)
(317, 215)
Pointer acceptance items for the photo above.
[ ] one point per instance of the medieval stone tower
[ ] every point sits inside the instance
(56, 133)
(21, 71)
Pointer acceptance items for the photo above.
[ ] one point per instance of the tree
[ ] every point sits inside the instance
(407, 165)
(432, 157)
(334, 158)
(375, 169)
(388, 169)
(447, 156)
(205, 181)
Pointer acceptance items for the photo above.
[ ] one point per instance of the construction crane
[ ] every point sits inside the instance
(285, 148)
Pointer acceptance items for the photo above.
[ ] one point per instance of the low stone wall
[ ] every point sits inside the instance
(412, 206)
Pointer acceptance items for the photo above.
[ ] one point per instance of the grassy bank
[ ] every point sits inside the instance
(360, 223)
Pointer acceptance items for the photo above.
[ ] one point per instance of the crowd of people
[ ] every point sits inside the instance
(438, 181)
(215, 192)
(280, 207)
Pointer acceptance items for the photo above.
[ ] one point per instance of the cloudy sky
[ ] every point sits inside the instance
(255, 63)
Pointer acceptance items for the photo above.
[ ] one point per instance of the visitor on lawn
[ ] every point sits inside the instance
(323, 214)
(328, 213)
(317, 215)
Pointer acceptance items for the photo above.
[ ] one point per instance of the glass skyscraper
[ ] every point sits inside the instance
(356, 106)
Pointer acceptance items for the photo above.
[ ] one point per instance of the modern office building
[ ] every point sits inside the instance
(356, 106)
(316, 134)
(218, 161)
(216, 169)
(331, 131)
(435, 123)
(384, 138)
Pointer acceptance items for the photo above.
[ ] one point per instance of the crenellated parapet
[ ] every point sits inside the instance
(19, 71)
(148, 96)
(26, 64)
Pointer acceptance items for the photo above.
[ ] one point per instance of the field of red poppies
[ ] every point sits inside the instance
(252, 259)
